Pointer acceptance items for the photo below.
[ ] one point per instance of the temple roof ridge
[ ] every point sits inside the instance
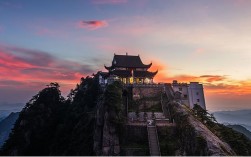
(129, 61)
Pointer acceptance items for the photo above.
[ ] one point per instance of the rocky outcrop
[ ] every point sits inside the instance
(109, 121)
(106, 140)
(110, 143)
(98, 135)
(196, 138)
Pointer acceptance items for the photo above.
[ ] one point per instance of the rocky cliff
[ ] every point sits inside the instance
(196, 138)
(109, 121)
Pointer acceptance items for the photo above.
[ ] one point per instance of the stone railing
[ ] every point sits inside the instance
(153, 85)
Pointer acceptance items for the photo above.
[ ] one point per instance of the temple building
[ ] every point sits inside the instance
(130, 70)
(133, 73)
(190, 94)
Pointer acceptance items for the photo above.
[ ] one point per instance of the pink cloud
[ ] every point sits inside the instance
(25, 66)
(109, 1)
(92, 24)
(45, 31)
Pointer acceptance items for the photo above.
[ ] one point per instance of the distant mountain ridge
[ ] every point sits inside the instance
(13, 107)
(241, 117)
(4, 114)
(6, 125)
(241, 129)
(8, 108)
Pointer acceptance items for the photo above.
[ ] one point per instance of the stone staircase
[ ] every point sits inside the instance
(153, 140)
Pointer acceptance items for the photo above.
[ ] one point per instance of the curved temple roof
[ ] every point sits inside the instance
(128, 62)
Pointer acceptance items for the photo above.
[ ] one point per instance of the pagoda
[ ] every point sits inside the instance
(130, 70)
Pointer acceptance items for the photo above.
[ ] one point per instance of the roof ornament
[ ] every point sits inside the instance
(126, 53)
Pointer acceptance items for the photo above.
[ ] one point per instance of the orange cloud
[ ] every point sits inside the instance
(213, 78)
(92, 25)
(234, 88)
(213, 84)
(181, 78)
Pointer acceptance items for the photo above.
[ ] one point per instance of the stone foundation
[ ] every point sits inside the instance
(140, 92)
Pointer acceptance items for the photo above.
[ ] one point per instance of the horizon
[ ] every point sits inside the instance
(62, 41)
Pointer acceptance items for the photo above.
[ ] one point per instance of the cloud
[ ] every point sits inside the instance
(109, 1)
(184, 78)
(92, 24)
(213, 78)
(214, 84)
(233, 90)
(49, 32)
(26, 65)
(23, 72)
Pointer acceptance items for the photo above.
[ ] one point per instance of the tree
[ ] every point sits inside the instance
(203, 115)
(34, 130)
(114, 102)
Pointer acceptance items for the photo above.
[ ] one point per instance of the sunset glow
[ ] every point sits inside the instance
(202, 41)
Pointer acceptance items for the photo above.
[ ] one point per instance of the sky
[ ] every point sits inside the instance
(63, 40)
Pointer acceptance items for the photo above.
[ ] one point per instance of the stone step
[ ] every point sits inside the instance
(153, 141)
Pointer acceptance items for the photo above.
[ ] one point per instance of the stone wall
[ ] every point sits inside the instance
(134, 141)
(148, 98)
(134, 134)
(168, 140)
(146, 91)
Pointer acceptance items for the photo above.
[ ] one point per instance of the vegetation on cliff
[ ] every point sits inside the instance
(51, 125)
(238, 141)
(110, 121)
(194, 137)
(114, 103)
(240, 129)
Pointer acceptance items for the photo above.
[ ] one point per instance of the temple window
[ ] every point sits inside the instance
(131, 80)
